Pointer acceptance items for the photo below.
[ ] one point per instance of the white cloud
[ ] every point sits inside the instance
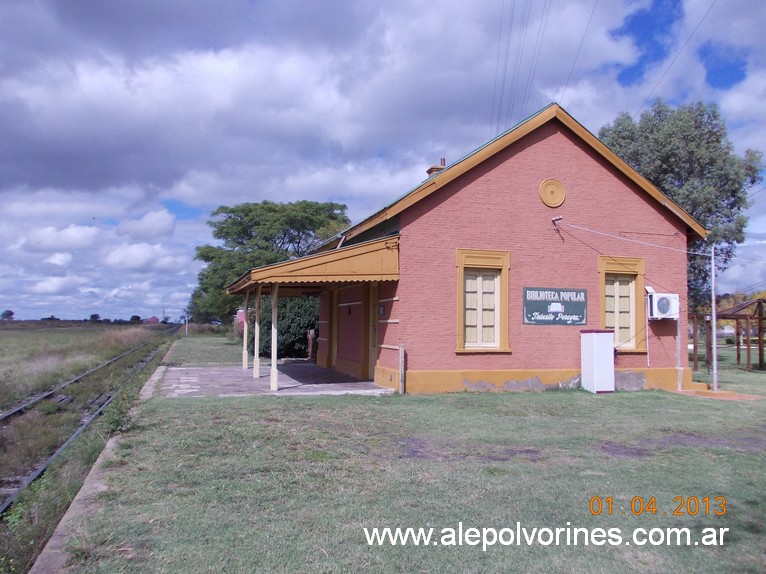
(134, 256)
(61, 259)
(246, 102)
(57, 285)
(160, 223)
(72, 237)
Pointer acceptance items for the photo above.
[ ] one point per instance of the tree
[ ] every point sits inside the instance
(256, 234)
(7, 315)
(95, 318)
(687, 154)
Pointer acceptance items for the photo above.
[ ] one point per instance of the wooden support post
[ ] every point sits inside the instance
(257, 335)
(402, 379)
(708, 344)
(274, 373)
(747, 344)
(737, 336)
(679, 369)
(695, 347)
(760, 336)
(245, 361)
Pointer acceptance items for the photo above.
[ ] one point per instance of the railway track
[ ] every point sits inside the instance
(85, 410)
(33, 400)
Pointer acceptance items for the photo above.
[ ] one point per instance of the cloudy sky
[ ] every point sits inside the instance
(124, 123)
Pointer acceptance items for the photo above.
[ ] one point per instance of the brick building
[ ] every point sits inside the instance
(488, 271)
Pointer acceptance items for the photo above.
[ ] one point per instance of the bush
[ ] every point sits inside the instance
(295, 317)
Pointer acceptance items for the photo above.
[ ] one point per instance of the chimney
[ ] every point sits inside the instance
(434, 169)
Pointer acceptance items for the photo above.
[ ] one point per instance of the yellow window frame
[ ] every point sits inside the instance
(480, 259)
(632, 267)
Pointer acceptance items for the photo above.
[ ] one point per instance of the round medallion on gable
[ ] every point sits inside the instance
(552, 192)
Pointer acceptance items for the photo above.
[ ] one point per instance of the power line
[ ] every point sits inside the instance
(582, 40)
(497, 69)
(505, 63)
(752, 287)
(560, 223)
(520, 44)
(688, 252)
(589, 246)
(536, 53)
(674, 60)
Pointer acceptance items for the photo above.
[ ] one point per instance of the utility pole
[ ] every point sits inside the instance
(713, 319)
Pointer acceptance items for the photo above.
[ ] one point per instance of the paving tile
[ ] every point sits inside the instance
(295, 378)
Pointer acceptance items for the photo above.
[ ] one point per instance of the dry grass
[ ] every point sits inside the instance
(34, 360)
(280, 484)
(28, 524)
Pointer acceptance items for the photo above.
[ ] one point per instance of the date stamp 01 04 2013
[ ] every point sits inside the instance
(682, 506)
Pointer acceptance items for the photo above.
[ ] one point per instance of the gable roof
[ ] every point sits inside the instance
(463, 165)
(377, 258)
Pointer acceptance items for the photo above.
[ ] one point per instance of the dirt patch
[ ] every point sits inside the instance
(622, 450)
(687, 440)
(504, 455)
(681, 440)
(692, 440)
(425, 449)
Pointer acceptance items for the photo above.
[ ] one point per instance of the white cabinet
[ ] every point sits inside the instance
(597, 360)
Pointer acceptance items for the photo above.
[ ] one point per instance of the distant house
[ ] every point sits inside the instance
(488, 271)
(152, 320)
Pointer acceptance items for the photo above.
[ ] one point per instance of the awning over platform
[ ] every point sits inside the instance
(376, 260)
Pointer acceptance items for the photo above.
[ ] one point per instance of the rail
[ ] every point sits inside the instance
(38, 471)
(33, 401)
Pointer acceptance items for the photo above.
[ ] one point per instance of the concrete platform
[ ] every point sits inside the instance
(295, 378)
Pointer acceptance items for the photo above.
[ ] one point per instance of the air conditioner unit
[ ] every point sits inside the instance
(663, 306)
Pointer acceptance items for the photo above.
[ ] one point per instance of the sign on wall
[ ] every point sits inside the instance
(551, 306)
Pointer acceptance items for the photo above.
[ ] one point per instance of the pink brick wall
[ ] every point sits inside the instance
(497, 206)
(350, 323)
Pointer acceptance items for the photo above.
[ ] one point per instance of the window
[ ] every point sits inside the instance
(481, 307)
(618, 304)
(622, 302)
(482, 312)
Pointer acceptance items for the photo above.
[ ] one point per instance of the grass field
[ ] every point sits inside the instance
(35, 358)
(206, 350)
(732, 378)
(272, 484)
(27, 440)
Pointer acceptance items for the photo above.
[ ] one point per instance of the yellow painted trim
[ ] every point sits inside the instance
(554, 111)
(347, 367)
(323, 355)
(370, 261)
(630, 173)
(482, 259)
(387, 377)
(634, 266)
(434, 382)
(431, 382)
(370, 330)
(666, 379)
(552, 192)
(483, 350)
(334, 297)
